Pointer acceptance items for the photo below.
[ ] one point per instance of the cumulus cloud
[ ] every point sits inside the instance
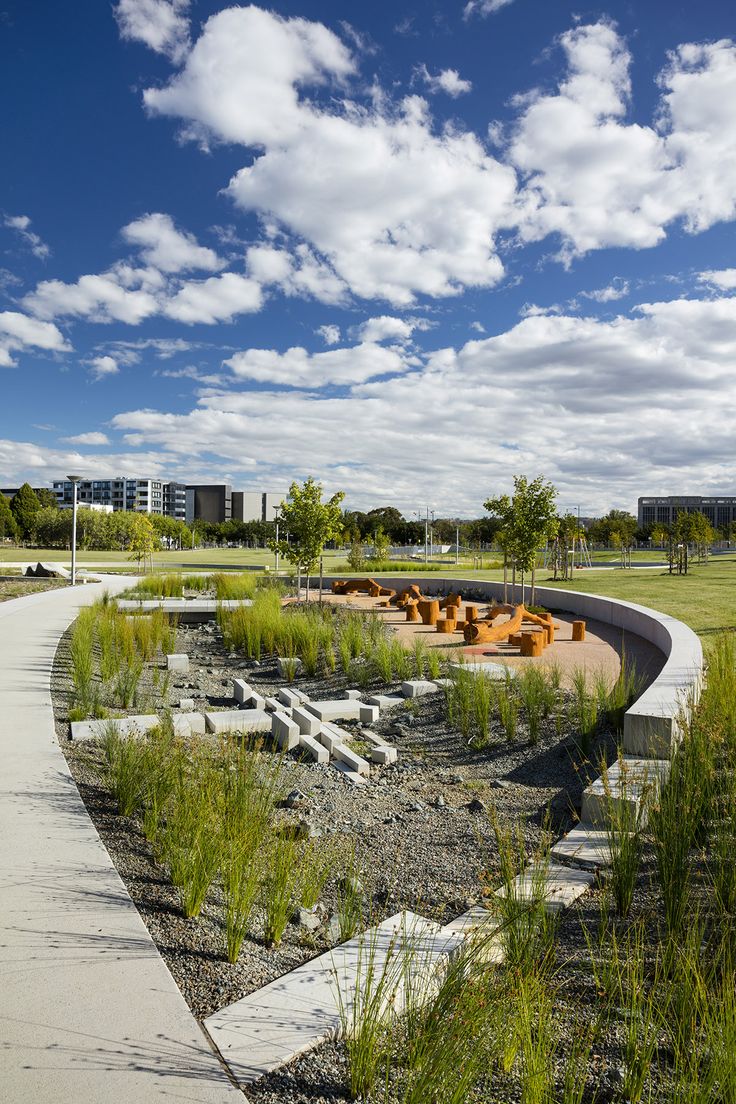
(19, 332)
(330, 334)
(298, 273)
(387, 328)
(665, 423)
(166, 248)
(22, 225)
(447, 80)
(94, 438)
(161, 25)
(617, 289)
(103, 366)
(724, 278)
(25, 459)
(597, 180)
(391, 205)
(119, 295)
(217, 299)
(298, 368)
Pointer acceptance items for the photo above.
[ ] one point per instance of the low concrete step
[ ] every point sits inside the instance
(630, 781)
(585, 846)
(558, 885)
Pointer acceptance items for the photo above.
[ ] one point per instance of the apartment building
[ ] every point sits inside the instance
(144, 496)
(720, 510)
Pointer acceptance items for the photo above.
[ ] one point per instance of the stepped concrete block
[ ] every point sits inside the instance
(309, 725)
(374, 739)
(469, 922)
(631, 781)
(300, 1010)
(386, 701)
(484, 667)
(238, 720)
(651, 738)
(288, 666)
(257, 702)
(272, 704)
(186, 705)
(352, 695)
(284, 731)
(188, 724)
(289, 697)
(418, 688)
(313, 748)
(478, 928)
(343, 709)
(368, 714)
(559, 885)
(383, 756)
(351, 759)
(328, 739)
(124, 726)
(349, 775)
(242, 691)
(585, 846)
(177, 662)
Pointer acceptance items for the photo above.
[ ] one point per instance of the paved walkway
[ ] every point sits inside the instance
(88, 1011)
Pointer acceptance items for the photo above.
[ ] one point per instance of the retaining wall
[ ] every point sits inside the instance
(653, 723)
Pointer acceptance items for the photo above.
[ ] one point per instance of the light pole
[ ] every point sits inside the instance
(277, 515)
(74, 479)
(457, 545)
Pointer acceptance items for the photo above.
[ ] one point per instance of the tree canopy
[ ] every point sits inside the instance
(310, 523)
(25, 507)
(528, 519)
(8, 524)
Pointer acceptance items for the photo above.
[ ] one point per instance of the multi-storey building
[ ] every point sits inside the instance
(720, 510)
(256, 505)
(211, 502)
(145, 496)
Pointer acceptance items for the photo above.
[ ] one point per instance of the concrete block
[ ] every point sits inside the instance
(631, 781)
(238, 720)
(309, 725)
(186, 705)
(338, 710)
(289, 698)
(349, 775)
(257, 702)
(374, 739)
(584, 846)
(352, 695)
(328, 739)
(368, 714)
(272, 704)
(313, 748)
(288, 666)
(188, 724)
(383, 756)
(351, 759)
(177, 662)
(284, 731)
(124, 726)
(418, 688)
(386, 701)
(558, 885)
(242, 691)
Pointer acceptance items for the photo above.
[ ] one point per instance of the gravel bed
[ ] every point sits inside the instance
(421, 834)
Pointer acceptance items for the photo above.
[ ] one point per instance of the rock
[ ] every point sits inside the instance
(440, 801)
(416, 807)
(333, 929)
(294, 799)
(308, 919)
(351, 884)
(476, 806)
(501, 784)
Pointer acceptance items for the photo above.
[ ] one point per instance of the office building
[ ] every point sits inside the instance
(255, 505)
(143, 496)
(720, 510)
(211, 502)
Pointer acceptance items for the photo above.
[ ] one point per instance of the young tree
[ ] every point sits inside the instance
(529, 519)
(47, 498)
(143, 540)
(310, 523)
(8, 524)
(381, 544)
(25, 507)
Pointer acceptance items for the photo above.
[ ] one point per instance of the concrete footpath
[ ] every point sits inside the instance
(88, 1010)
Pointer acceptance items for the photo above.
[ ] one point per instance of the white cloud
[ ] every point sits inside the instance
(160, 24)
(103, 366)
(447, 80)
(99, 298)
(724, 278)
(298, 368)
(19, 332)
(597, 180)
(392, 207)
(299, 273)
(387, 328)
(94, 438)
(21, 224)
(166, 248)
(640, 403)
(217, 299)
(617, 289)
(478, 327)
(330, 334)
(485, 7)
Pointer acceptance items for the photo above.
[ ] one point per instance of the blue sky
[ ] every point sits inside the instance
(411, 254)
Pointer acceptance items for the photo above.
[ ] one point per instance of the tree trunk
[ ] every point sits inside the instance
(534, 575)
(505, 578)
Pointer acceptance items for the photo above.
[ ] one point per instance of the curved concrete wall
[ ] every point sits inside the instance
(653, 723)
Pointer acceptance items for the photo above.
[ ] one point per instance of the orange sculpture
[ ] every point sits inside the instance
(361, 586)
(407, 596)
(578, 630)
(532, 643)
(429, 610)
(450, 600)
(485, 632)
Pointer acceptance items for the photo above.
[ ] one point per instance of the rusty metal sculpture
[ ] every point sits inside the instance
(483, 631)
(362, 586)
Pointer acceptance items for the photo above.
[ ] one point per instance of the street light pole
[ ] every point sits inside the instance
(276, 510)
(457, 545)
(74, 479)
(426, 536)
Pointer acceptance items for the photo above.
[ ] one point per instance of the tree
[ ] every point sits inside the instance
(528, 521)
(143, 540)
(310, 523)
(25, 507)
(47, 498)
(381, 544)
(8, 524)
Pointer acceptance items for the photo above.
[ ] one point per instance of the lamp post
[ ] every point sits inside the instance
(276, 511)
(74, 479)
(457, 545)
